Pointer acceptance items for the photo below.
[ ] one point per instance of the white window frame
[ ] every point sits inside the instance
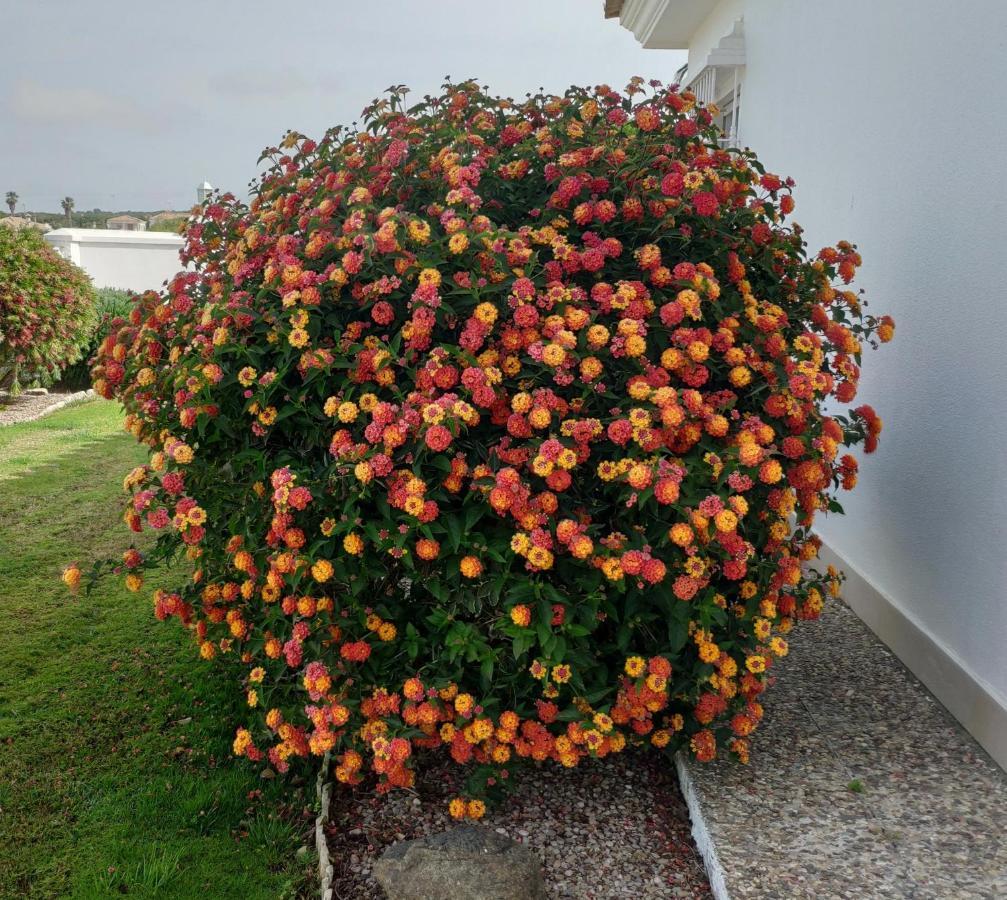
(724, 64)
(732, 106)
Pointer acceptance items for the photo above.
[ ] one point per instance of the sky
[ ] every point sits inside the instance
(131, 105)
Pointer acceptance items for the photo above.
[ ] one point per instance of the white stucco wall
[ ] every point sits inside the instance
(890, 117)
(132, 260)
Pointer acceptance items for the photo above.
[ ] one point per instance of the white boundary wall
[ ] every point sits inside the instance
(131, 260)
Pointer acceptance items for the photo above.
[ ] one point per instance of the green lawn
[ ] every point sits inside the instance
(115, 772)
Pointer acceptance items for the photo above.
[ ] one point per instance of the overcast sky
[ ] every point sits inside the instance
(130, 105)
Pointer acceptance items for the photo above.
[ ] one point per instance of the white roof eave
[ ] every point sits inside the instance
(664, 24)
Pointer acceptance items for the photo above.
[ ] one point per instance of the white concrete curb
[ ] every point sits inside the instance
(700, 832)
(66, 401)
(325, 870)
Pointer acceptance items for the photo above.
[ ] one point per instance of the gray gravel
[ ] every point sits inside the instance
(610, 828)
(26, 407)
(861, 784)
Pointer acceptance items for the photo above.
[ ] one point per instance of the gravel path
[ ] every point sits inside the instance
(27, 407)
(861, 784)
(608, 829)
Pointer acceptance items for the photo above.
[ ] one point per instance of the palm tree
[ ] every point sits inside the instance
(67, 204)
(12, 199)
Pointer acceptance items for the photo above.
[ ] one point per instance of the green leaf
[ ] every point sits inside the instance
(486, 673)
(544, 633)
(472, 515)
(454, 533)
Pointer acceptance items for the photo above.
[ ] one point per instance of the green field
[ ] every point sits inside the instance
(115, 771)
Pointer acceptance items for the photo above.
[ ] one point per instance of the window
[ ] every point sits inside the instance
(730, 111)
(718, 81)
(720, 86)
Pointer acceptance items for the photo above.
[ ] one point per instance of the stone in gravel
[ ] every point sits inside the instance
(466, 863)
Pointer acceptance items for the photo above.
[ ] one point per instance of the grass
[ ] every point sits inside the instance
(115, 768)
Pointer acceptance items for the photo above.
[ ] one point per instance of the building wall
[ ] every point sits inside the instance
(890, 117)
(131, 260)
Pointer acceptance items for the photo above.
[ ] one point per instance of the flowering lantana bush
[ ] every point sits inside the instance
(111, 306)
(496, 428)
(47, 309)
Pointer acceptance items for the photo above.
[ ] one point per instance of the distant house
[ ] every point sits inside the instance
(125, 223)
(166, 216)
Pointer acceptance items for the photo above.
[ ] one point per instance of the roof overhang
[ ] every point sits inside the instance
(660, 24)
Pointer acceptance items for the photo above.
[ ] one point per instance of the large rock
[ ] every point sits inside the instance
(466, 863)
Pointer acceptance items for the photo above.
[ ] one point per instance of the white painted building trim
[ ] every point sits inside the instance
(655, 30)
(730, 49)
(716, 77)
(965, 694)
(640, 17)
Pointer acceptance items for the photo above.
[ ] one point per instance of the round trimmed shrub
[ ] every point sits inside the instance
(496, 428)
(47, 312)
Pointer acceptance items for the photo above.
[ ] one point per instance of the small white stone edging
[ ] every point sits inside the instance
(325, 871)
(66, 401)
(700, 831)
